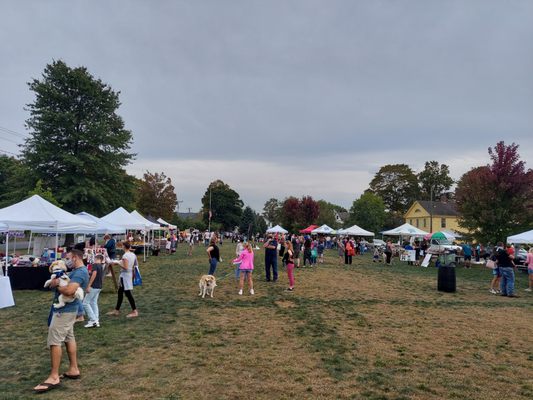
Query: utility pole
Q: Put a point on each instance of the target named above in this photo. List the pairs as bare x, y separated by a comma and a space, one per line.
178, 205
431, 210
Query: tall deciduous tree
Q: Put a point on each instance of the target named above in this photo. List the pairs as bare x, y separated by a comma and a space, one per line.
434, 176
327, 212
45, 193
271, 211
15, 181
248, 220
496, 200
397, 185
78, 145
368, 212
309, 211
226, 205
156, 196
290, 213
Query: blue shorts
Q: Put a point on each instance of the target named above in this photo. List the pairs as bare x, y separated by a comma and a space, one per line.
530, 271
246, 272
496, 272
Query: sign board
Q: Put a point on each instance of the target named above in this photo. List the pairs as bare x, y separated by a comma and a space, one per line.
408, 255
427, 259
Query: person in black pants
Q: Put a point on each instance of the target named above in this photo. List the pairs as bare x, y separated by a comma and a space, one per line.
271, 258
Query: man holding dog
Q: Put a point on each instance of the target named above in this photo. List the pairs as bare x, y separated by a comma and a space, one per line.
61, 329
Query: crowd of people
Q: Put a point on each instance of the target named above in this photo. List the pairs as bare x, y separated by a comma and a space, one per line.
291, 249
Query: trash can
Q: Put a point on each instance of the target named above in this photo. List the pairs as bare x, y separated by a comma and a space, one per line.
446, 278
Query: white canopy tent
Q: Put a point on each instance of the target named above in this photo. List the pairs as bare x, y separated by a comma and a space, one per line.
165, 223
324, 229
355, 230
149, 225
521, 238
120, 217
277, 229
102, 227
405, 230
35, 214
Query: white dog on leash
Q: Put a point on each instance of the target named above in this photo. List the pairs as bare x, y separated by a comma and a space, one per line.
59, 270
207, 285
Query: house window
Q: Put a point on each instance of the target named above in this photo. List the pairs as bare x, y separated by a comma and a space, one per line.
425, 223
411, 221
417, 222
443, 222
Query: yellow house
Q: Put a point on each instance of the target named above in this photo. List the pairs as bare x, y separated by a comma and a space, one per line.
444, 216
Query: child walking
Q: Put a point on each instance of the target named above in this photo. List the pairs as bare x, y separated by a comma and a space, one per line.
246, 267
90, 302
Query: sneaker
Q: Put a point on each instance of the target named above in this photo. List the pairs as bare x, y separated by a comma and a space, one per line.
528, 290
133, 314
90, 324
290, 289
252, 292
240, 292
97, 324
493, 291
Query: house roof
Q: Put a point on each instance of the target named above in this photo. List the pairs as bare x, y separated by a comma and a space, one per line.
440, 208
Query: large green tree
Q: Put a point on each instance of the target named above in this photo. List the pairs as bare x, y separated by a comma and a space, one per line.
16, 181
496, 200
368, 211
156, 196
434, 176
226, 206
272, 210
326, 213
397, 185
248, 220
78, 146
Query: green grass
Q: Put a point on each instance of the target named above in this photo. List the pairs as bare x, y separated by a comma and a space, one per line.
364, 331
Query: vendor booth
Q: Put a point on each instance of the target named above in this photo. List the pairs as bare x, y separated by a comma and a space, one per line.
309, 229
324, 230
277, 229
354, 230
521, 238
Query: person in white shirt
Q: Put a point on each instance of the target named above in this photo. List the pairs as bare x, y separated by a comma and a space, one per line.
129, 260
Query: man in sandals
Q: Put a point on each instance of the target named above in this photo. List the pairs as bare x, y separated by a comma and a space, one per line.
61, 329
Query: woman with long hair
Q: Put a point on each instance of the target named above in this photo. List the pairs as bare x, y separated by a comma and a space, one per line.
214, 254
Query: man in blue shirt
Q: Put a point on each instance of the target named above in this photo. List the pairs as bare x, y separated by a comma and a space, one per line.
271, 258
467, 253
61, 329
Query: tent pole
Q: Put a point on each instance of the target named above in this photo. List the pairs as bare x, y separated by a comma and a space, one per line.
57, 246
144, 247
29, 243
7, 250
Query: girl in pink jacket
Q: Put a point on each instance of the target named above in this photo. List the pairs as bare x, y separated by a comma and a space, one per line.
246, 267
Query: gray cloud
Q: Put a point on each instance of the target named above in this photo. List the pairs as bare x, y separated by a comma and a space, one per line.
284, 82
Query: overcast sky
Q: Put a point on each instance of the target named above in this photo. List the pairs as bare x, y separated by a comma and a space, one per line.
287, 97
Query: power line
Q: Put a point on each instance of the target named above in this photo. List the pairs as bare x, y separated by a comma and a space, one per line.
8, 152
8, 140
12, 132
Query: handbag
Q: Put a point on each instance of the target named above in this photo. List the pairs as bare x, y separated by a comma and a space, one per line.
137, 279
490, 264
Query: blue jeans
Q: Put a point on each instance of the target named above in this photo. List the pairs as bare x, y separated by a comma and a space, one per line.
212, 266
90, 304
507, 282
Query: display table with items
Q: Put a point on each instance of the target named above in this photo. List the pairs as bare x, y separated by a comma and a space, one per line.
30, 278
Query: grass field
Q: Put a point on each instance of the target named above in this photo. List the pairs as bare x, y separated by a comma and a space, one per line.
360, 332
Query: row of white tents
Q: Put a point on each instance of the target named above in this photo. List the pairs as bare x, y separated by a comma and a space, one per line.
37, 215
405, 230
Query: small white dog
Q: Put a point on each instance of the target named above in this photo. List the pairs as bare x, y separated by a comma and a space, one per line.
207, 285
59, 270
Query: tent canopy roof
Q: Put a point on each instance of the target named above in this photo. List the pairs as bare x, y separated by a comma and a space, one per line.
324, 229
521, 238
102, 226
121, 217
309, 229
277, 229
148, 224
405, 230
165, 223
355, 230
38, 215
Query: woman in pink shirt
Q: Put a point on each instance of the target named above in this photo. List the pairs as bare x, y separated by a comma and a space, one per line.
529, 263
246, 267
